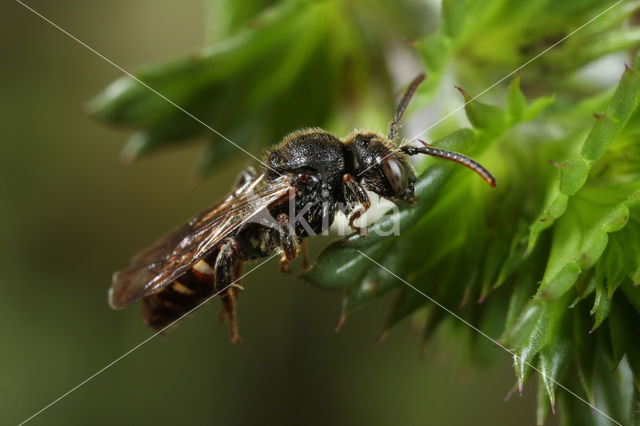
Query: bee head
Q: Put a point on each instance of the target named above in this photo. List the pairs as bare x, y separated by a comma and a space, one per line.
379, 167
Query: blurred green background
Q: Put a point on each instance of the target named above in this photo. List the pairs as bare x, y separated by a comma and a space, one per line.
72, 214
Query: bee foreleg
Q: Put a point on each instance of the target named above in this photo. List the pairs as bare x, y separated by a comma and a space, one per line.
360, 229
288, 242
223, 276
357, 201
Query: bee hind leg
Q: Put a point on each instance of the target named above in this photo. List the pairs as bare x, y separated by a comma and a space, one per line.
288, 243
237, 275
224, 284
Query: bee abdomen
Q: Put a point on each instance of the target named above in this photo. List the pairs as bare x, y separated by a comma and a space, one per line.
163, 308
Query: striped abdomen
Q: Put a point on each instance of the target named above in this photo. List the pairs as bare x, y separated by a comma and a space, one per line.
178, 298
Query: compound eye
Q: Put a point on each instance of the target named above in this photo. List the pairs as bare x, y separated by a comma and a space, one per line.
395, 174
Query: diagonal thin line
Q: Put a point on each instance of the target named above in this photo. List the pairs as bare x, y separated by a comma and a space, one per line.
495, 342
260, 161
144, 84
518, 69
139, 345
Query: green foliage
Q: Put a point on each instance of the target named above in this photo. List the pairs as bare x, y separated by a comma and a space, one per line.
548, 262
293, 65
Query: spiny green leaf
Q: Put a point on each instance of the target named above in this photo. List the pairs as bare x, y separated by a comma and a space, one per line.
375, 283
615, 263
493, 260
554, 209
537, 106
622, 258
215, 154
128, 102
516, 102
612, 394
164, 134
518, 334
433, 51
596, 142
248, 79
433, 318
623, 319
576, 413
482, 116
556, 357
585, 285
543, 408
545, 325
584, 49
584, 342
516, 256
574, 174
454, 13
633, 294
613, 17
602, 304
582, 234
338, 274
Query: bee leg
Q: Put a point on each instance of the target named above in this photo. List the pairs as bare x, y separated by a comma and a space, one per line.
361, 230
357, 201
237, 274
223, 283
288, 243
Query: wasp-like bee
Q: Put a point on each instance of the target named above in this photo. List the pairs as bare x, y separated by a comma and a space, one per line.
307, 176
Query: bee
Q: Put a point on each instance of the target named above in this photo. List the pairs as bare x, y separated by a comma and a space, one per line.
297, 194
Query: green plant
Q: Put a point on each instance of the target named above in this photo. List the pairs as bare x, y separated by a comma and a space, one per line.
549, 262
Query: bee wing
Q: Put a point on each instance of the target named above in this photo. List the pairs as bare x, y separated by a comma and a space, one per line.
173, 255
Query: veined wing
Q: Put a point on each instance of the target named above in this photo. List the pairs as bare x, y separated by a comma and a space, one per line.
173, 255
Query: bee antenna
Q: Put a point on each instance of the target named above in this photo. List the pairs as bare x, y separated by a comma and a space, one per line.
394, 126
453, 156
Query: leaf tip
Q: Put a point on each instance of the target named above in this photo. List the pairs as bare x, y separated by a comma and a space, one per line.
509, 394
529, 248
464, 94
343, 316
422, 353
380, 337
465, 299
556, 164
